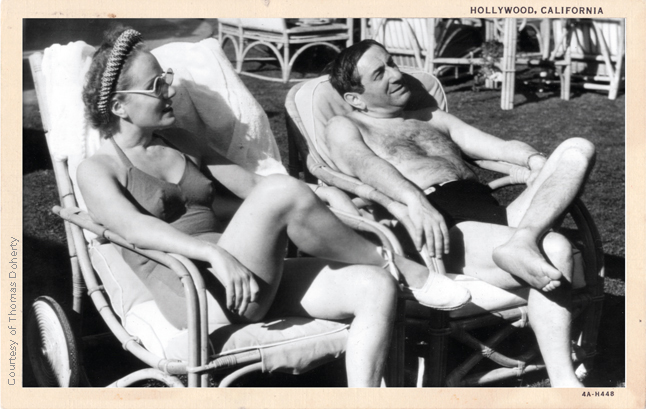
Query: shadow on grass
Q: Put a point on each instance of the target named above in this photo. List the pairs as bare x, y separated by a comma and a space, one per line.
615, 267
35, 155
609, 365
48, 272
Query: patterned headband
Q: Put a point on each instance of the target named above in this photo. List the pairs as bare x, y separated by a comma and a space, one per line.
124, 44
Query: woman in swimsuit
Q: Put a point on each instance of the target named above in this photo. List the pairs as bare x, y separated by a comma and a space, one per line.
159, 195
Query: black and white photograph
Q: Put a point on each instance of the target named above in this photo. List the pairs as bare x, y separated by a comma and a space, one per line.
325, 202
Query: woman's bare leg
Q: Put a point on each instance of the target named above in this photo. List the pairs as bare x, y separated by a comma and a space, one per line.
279, 207
256, 236
320, 289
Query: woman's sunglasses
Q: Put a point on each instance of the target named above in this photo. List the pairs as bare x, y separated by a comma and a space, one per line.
160, 85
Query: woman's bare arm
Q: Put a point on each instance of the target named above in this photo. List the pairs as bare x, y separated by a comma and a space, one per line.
107, 205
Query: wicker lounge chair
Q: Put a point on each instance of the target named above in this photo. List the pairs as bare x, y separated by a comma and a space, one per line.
281, 37
309, 106
290, 344
592, 50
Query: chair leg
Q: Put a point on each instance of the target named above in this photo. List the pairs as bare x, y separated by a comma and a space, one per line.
621, 42
436, 353
614, 89
592, 319
566, 82
509, 64
285, 63
294, 164
394, 374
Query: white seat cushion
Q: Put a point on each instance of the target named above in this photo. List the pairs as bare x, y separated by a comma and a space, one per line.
124, 288
293, 343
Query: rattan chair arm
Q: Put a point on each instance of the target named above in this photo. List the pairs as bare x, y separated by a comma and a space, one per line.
232, 377
348, 184
385, 235
77, 241
145, 374
200, 288
80, 218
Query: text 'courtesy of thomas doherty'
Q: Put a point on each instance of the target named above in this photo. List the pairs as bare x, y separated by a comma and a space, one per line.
12, 314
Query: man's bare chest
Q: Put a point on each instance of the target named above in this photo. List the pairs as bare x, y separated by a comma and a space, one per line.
409, 139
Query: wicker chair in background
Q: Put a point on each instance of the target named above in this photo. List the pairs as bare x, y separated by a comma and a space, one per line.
281, 37
592, 50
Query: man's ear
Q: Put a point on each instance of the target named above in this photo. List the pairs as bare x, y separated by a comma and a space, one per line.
354, 99
118, 109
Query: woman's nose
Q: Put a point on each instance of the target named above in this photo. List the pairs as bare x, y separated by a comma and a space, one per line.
170, 92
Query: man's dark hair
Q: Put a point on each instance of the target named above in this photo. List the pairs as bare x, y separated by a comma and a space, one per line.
344, 76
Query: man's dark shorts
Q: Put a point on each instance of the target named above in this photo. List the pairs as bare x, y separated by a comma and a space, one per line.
466, 200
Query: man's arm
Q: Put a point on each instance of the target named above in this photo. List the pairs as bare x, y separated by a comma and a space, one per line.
353, 157
480, 145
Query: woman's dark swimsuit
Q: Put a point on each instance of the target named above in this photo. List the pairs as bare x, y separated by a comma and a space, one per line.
185, 206
467, 200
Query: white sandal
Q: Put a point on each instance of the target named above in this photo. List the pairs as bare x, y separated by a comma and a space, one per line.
438, 292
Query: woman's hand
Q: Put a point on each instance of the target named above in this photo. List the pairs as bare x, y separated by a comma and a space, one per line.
240, 283
337, 199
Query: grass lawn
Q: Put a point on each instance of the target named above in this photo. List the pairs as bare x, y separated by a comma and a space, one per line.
539, 118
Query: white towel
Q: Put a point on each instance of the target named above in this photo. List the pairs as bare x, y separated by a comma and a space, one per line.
70, 136
64, 68
213, 103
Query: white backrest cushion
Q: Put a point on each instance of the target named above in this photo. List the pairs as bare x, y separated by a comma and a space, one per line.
124, 288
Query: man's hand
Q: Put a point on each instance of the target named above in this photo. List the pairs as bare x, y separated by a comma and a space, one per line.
430, 228
424, 224
535, 164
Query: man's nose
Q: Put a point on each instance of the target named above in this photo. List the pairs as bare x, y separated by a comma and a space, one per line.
395, 74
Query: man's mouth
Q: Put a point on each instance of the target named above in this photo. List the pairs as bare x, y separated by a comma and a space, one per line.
400, 88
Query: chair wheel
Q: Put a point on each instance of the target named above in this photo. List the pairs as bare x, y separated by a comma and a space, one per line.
52, 346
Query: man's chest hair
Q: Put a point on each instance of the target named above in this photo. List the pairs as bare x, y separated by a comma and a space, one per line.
409, 138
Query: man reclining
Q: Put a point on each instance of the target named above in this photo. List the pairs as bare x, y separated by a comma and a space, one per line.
415, 156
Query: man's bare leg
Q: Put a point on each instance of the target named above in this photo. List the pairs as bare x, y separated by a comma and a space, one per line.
538, 207
550, 315
472, 244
